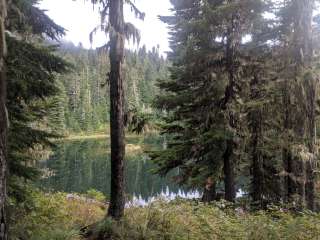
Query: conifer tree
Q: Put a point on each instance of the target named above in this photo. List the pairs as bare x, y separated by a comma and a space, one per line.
31, 72
118, 31
281, 103
303, 59
117, 42
261, 96
204, 94
29, 78
299, 101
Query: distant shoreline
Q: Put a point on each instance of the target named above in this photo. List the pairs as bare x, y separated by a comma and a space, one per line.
74, 137
86, 137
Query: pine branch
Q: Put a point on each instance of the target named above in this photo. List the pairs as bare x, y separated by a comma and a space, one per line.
135, 10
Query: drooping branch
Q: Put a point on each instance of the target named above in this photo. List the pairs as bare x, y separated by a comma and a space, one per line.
131, 32
135, 10
24, 13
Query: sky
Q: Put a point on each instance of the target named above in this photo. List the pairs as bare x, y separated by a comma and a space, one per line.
79, 19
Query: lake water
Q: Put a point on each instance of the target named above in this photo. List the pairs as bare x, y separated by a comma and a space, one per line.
79, 165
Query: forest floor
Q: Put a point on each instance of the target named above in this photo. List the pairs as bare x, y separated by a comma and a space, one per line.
60, 216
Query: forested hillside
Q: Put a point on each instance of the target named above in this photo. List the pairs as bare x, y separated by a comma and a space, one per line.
83, 101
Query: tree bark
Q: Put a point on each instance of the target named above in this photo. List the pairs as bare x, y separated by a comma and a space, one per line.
3, 125
209, 193
233, 41
256, 155
257, 169
229, 176
117, 198
289, 184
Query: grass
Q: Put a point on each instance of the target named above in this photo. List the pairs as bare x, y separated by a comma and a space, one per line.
55, 217
182, 220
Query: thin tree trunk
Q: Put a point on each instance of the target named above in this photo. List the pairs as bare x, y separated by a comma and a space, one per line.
289, 184
229, 176
233, 40
209, 195
209, 192
257, 158
257, 174
255, 126
3, 126
117, 198
311, 164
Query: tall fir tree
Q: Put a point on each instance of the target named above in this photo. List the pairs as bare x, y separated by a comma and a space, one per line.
204, 96
32, 66
116, 79
298, 86
118, 31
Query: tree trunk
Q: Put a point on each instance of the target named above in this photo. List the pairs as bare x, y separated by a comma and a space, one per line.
233, 41
229, 176
3, 125
117, 198
289, 184
258, 179
256, 135
311, 163
257, 160
209, 193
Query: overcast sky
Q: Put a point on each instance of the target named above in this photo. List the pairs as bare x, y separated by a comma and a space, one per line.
79, 18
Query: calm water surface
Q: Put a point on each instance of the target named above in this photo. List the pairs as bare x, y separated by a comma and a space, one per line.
77, 166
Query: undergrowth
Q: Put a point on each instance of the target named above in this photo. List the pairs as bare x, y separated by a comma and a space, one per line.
192, 220
55, 217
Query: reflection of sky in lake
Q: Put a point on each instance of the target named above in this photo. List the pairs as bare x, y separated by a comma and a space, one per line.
166, 195
77, 166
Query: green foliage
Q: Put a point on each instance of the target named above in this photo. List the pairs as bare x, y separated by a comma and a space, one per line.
203, 96
32, 67
97, 195
27, 18
52, 217
241, 98
195, 221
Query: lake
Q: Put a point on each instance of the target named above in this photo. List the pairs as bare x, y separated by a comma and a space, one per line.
80, 165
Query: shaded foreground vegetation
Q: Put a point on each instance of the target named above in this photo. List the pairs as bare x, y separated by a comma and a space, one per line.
57, 216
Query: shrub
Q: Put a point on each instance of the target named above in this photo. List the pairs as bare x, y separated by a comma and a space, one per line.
53, 216
95, 194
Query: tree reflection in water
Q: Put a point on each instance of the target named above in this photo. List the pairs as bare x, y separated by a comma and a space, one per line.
78, 166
